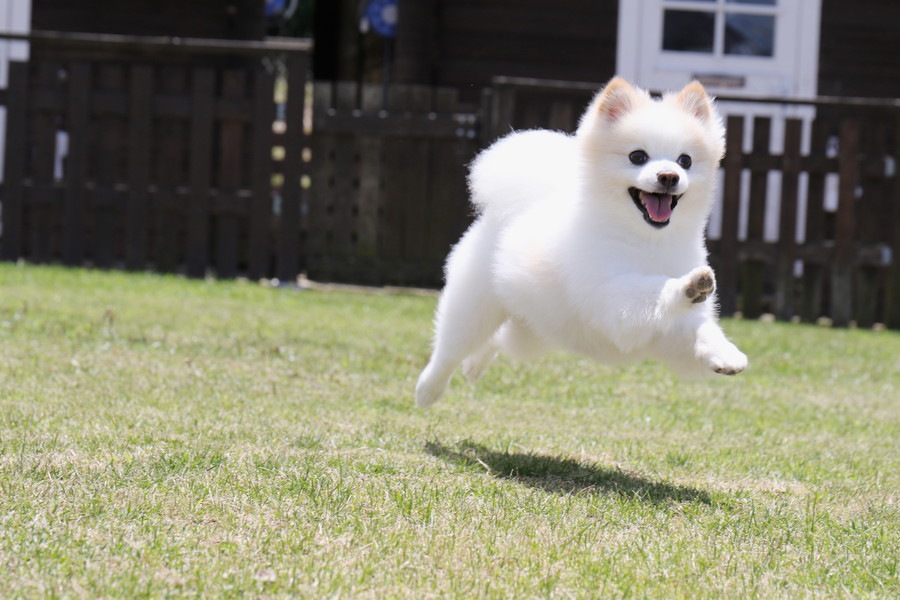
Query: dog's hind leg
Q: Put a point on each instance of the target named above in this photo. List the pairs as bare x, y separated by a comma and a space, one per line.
464, 327
475, 364
515, 339
468, 313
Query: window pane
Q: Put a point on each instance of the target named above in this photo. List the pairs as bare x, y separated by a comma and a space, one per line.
688, 31
758, 2
749, 35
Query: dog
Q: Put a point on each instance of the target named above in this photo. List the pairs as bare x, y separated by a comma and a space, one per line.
592, 242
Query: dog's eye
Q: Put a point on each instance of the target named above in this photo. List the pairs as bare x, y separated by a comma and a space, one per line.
684, 161
638, 157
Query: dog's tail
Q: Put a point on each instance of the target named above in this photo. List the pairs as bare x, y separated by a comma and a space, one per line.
520, 169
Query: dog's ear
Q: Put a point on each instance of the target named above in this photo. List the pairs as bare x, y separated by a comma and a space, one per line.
617, 98
693, 99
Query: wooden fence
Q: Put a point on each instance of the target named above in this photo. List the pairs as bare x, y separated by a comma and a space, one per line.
134, 155
848, 257
159, 158
155, 160
388, 191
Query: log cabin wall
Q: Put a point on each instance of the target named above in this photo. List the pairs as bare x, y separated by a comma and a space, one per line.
858, 51
464, 43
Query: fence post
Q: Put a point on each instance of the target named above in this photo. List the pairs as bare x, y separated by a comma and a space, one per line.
14, 166
892, 299
754, 266
203, 90
845, 225
140, 117
79, 81
288, 259
111, 131
229, 176
503, 109
258, 239
787, 233
42, 201
726, 277
811, 305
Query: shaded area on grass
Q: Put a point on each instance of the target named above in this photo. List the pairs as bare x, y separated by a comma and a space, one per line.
563, 475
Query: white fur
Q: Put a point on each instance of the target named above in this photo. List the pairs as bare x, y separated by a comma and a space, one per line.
561, 256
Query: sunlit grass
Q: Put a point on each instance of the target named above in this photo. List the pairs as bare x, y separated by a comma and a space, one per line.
166, 437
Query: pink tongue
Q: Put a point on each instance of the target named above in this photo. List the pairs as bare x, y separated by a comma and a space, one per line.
659, 207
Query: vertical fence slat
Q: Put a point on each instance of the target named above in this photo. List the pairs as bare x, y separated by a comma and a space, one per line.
754, 268
417, 204
77, 163
288, 259
502, 113
170, 166
201, 128
447, 189
14, 166
845, 225
109, 158
892, 294
726, 274
364, 215
873, 220
343, 187
787, 221
43, 194
258, 243
231, 144
322, 175
812, 303
406, 190
139, 123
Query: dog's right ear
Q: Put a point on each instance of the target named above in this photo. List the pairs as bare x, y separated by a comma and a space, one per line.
617, 98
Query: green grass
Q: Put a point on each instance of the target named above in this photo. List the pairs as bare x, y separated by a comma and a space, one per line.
164, 438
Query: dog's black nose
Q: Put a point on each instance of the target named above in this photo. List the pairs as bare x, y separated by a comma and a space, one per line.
667, 178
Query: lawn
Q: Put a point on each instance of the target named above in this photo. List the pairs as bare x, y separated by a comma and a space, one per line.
161, 437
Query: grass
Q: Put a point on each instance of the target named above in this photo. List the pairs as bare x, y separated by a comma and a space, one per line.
163, 438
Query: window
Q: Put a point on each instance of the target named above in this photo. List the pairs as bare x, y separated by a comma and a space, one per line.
720, 27
733, 47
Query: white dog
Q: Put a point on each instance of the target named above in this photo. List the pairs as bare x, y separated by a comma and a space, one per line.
593, 242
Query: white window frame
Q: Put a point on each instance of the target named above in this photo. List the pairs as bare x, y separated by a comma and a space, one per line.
791, 71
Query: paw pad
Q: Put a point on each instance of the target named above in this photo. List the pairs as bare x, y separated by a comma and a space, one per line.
701, 285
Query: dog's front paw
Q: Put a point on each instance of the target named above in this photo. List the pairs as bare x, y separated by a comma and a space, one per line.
728, 360
700, 284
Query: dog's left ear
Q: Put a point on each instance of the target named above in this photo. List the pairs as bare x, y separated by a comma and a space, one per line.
693, 99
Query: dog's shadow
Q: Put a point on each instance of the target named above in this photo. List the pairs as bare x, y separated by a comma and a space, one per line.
563, 475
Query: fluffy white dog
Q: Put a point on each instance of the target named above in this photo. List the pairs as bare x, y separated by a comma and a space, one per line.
593, 242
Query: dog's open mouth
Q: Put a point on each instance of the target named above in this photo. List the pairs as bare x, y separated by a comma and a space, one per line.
656, 207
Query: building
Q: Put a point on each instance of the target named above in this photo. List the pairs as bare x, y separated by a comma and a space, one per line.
794, 48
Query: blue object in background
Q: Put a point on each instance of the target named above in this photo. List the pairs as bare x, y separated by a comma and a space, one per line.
275, 8
382, 17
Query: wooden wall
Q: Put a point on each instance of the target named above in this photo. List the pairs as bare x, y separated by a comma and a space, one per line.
859, 53
464, 43
225, 19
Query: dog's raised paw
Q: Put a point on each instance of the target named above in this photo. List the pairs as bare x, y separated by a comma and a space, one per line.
701, 283
728, 361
